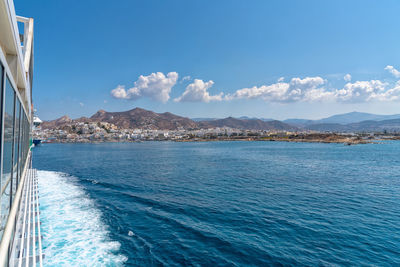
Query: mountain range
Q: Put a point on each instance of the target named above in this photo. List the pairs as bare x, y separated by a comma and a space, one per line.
146, 119
363, 126
351, 122
346, 118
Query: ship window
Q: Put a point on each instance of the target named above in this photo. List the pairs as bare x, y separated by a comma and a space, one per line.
21, 144
1, 90
16, 146
24, 144
8, 121
23, 153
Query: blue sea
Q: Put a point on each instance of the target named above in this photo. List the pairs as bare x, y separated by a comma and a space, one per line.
219, 204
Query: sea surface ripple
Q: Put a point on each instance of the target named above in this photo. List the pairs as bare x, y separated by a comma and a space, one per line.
221, 203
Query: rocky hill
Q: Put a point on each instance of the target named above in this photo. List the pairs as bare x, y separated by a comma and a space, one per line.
144, 119
56, 123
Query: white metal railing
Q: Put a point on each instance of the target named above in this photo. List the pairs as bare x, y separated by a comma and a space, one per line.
9, 230
27, 247
24, 218
38, 215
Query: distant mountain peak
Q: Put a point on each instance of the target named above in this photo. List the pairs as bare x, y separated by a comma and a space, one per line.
138, 109
64, 118
98, 113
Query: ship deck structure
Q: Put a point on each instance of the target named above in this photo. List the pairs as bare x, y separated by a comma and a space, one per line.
20, 233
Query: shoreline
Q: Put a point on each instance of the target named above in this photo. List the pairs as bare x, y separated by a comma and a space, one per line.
322, 141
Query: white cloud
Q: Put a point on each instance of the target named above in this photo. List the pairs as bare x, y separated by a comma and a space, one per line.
307, 89
393, 71
186, 78
361, 91
156, 86
197, 92
119, 92
391, 94
347, 77
312, 89
274, 91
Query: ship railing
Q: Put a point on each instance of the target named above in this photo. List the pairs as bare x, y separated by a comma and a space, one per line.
26, 248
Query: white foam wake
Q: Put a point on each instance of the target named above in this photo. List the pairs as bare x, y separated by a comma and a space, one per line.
73, 233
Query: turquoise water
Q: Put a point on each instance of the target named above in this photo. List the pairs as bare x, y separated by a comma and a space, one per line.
220, 203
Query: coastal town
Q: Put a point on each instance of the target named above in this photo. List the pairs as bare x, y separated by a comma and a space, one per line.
89, 132
139, 125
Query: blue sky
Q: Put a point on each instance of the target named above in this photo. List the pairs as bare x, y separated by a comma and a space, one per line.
215, 58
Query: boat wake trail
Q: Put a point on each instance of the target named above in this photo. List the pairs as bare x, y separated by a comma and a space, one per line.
73, 232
